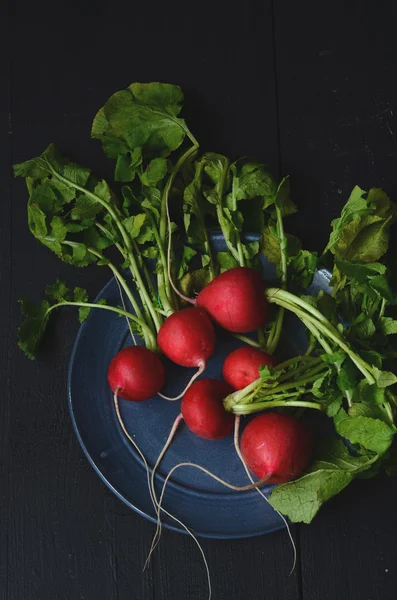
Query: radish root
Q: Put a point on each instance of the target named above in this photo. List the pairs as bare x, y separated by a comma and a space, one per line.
157, 534
153, 494
123, 427
237, 447
197, 374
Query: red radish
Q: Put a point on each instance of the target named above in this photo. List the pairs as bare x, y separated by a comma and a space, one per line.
187, 337
236, 300
203, 411
241, 366
136, 373
276, 446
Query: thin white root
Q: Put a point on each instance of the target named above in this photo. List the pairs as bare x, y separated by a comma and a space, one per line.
133, 442
178, 292
187, 531
123, 303
237, 447
237, 488
157, 535
153, 495
197, 374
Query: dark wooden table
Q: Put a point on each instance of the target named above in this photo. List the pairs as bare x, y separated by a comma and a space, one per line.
310, 90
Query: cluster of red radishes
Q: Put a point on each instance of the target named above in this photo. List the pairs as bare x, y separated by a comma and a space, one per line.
275, 446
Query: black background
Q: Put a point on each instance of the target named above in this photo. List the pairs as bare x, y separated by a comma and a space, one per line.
309, 88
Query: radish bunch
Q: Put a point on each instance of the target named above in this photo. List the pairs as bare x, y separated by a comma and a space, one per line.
235, 300
157, 158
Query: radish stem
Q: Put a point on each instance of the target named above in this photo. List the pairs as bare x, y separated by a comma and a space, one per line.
166, 219
127, 242
146, 330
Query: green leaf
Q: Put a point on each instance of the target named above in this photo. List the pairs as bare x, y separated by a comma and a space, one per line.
320, 386
363, 240
334, 406
283, 199
58, 291
80, 256
76, 173
226, 261
372, 394
336, 358
41, 166
58, 229
32, 329
302, 268
103, 191
333, 453
301, 500
373, 411
80, 295
134, 224
216, 167
51, 195
271, 246
187, 256
371, 433
253, 180
193, 282
250, 250
384, 378
151, 252
84, 208
388, 326
37, 221
358, 271
355, 208
365, 328
127, 165
145, 115
152, 201
372, 357
381, 285
155, 172
335, 468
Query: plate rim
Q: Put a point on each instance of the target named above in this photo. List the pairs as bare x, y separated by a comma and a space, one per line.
109, 485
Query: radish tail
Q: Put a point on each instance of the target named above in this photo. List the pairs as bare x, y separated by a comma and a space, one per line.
238, 488
197, 374
153, 496
178, 292
123, 427
157, 534
187, 530
237, 447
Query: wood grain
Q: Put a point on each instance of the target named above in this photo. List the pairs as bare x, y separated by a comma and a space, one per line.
5, 287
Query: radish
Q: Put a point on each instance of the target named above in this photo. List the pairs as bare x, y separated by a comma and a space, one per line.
241, 366
136, 373
203, 411
276, 446
188, 339
236, 300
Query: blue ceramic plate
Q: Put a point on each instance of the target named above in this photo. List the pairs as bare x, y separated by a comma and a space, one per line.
205, 506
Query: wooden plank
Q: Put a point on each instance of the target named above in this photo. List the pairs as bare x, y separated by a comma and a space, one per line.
5, 304
59, 543
337, 103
